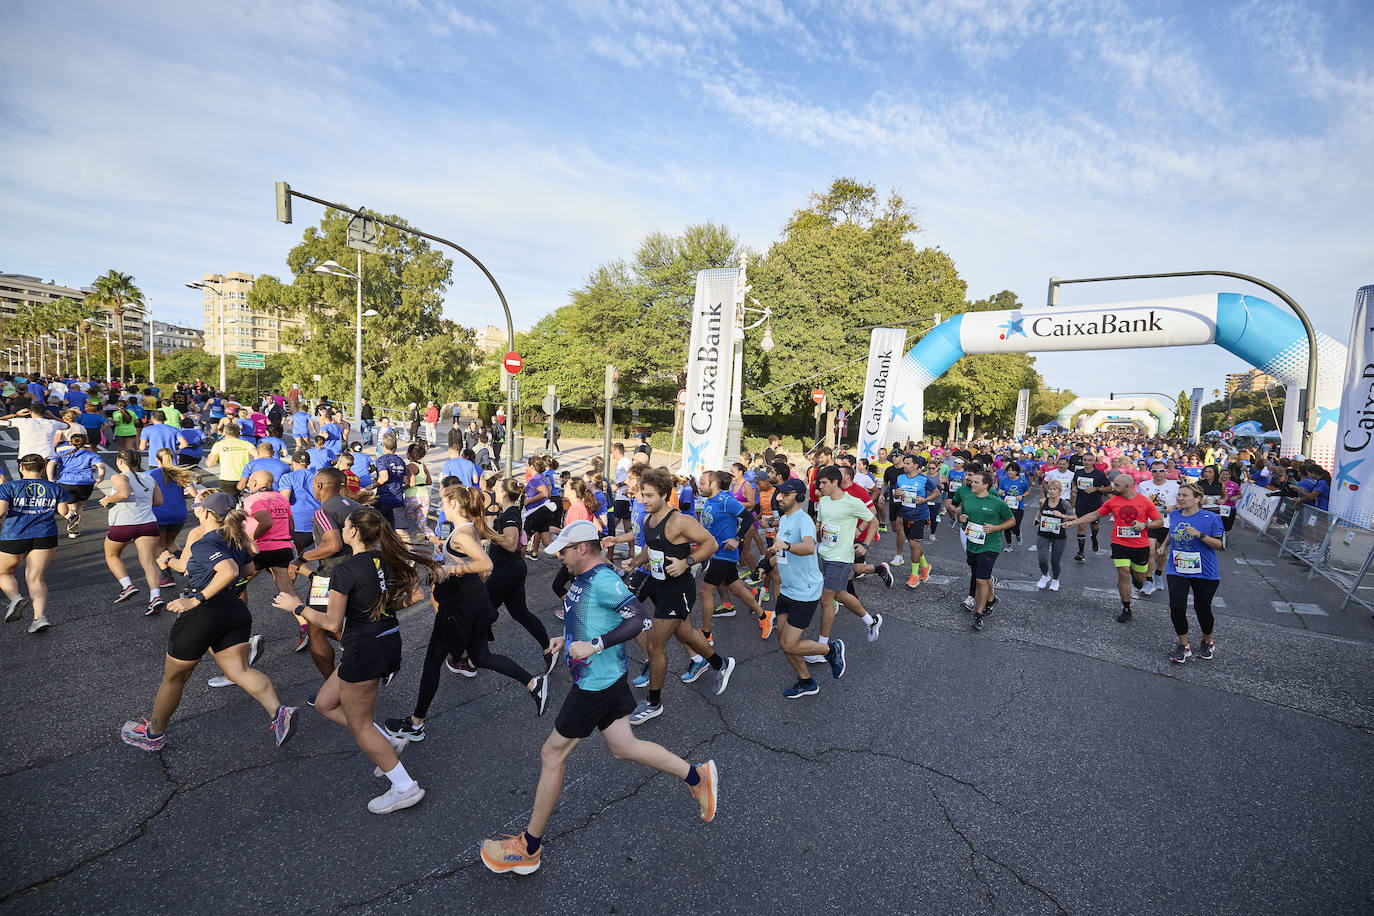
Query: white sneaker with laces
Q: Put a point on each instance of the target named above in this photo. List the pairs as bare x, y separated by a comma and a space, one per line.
395, 799
1149, 588
1044, 580
1054, 585
895, 561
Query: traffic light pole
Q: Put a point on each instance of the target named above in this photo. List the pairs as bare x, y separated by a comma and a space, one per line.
608, 472
284, 195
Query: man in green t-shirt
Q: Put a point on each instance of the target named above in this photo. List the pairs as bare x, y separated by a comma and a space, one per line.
838, 515
983, 518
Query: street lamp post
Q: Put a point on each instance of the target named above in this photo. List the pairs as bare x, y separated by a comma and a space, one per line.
106, 329
734, 428
1307, 429
219, 294
284, 195
333, 269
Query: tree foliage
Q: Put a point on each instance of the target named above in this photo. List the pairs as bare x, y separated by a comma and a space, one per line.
844, 264
116, 292
410, 352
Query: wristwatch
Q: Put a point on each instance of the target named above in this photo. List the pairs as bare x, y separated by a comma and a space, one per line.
598, 645
198, 595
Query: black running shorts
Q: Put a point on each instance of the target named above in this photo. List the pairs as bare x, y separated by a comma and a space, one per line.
673, 597
371, 658
799, 613
981, 563
214, 626
584, 711
721, 572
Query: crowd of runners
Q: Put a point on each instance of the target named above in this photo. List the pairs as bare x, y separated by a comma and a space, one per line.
352, 527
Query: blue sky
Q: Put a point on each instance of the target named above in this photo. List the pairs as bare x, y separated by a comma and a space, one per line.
1075, 138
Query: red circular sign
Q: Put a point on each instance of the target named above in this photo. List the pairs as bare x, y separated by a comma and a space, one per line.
682, 397
818, 395
513, 362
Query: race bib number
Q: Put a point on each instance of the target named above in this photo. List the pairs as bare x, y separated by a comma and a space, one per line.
782, 557
1126, 531
1051, 524
1085, 483
319, 591
1225, 511
976, 534
1013, 501
1187, 562
656, 564
909, 499
830, 536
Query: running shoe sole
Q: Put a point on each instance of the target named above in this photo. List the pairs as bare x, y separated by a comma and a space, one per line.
17, 608
503, 867
723, 676
125, 595
650, 712
710, 776
407, 801
288, 727
692, 674
838, 665
402, 734
796, 693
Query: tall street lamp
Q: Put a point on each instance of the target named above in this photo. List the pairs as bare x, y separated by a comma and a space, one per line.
284, 195
1310, 413
78, 349
734, 428
333, 269
219, 294
106, 329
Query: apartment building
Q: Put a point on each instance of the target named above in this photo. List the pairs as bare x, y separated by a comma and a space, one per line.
1248, 382
232, 326
168, 338
19, 292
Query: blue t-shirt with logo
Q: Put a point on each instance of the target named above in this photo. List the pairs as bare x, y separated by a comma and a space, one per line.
595, 604
913, 493
390, 494
637, 515
1194, 558
720, 516
32, 508
800, 576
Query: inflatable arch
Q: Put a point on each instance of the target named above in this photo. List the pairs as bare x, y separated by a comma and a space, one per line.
1264, 335
1142, 420
1164, 416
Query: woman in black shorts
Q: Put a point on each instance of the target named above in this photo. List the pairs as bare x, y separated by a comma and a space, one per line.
538, 512
464, 614
210, 617
366, 591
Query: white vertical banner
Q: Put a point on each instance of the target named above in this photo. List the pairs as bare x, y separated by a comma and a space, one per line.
1352, 482
1195, 415
1022, 413
884, 352
709, 367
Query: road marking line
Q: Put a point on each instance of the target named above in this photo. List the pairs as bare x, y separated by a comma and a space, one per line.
1245, 561
1303, 608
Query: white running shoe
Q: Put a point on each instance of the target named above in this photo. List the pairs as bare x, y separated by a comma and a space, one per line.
814, 659
1044, 580
969, 602
1149, 588
1054, 585
220, 680
394, 799
895, 561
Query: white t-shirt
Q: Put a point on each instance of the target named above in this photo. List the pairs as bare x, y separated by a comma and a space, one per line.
864, 481
58, 391
35, 434
622, 470
1065, 479
138, 508
1163, 495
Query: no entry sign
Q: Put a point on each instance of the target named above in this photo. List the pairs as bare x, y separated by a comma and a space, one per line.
513, 363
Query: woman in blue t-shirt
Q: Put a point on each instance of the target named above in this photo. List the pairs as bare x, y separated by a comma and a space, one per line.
29, 536
78, 470
1195, 536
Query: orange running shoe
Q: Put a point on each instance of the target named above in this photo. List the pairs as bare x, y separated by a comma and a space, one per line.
925, 572
709, 637
766, 625
912, 581
510, 853
705, 792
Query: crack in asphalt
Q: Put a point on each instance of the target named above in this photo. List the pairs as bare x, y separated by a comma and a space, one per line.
974, 853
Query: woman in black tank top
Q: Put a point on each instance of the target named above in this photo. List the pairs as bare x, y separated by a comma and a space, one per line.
506, 584
463, 613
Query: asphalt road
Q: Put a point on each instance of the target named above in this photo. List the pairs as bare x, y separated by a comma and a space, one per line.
1055, 762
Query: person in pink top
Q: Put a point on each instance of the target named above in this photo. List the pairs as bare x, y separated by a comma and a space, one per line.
269, 524
259, 422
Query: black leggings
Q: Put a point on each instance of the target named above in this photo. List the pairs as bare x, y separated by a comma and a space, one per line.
460, 629
1049, 551
1017, 514
508, 587
1203, 590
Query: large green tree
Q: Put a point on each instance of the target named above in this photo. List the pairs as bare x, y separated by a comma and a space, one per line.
635, 315
410, 351
845, 263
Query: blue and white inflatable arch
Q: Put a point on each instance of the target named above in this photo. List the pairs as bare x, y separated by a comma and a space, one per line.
1269, 338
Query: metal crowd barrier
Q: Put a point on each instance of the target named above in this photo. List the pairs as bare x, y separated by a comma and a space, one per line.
1332, 548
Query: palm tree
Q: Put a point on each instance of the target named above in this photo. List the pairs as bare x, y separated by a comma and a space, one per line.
116, 291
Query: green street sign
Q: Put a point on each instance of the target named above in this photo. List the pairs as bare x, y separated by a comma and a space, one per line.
250, 361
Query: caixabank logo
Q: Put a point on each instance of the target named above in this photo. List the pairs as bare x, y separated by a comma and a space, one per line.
1104, 323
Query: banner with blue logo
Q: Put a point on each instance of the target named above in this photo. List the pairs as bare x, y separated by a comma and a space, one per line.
1352, 477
